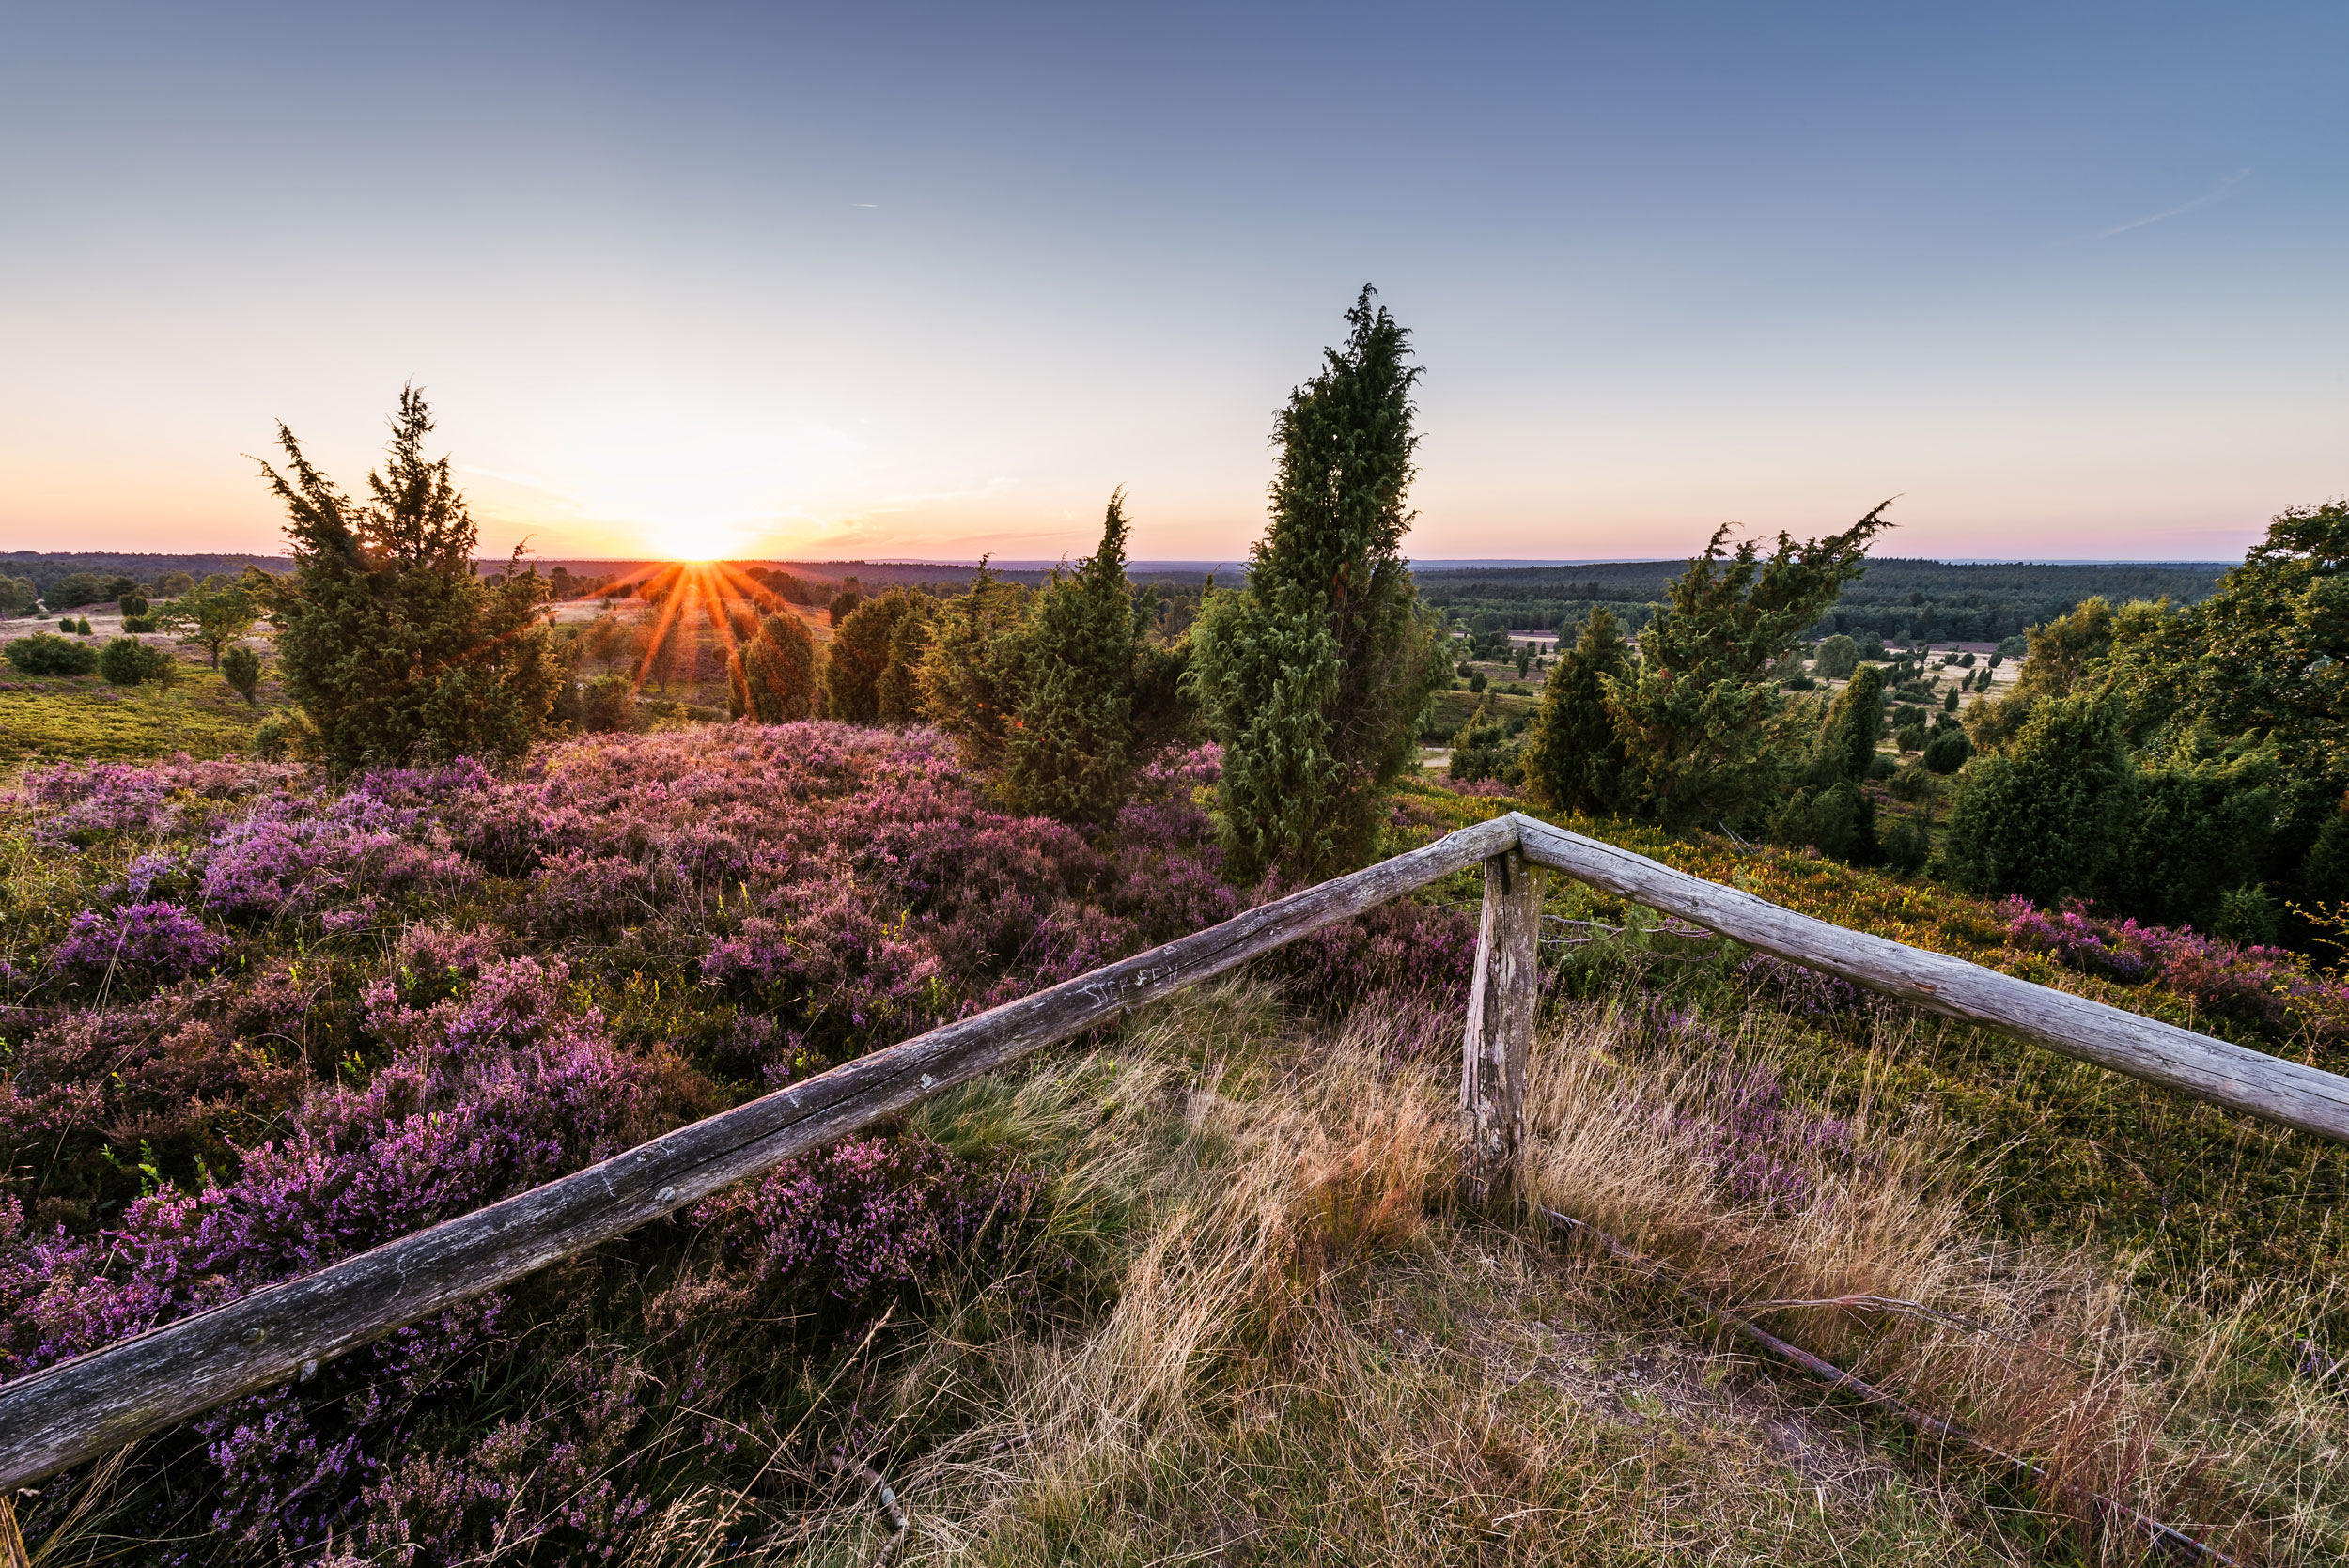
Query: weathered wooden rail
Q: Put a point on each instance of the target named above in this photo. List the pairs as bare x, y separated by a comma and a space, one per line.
79, 1409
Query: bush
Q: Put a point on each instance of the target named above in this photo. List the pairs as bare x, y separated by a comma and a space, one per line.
1905, 846
80, 627
608, 704
128, 662
1839, 821
1910, 738
1837, 658
1947, 752
1912, 784
64, 624
1477, 681
45, 654
2047, 820
133, 606
869, 667
241, 667
273, 741
777, 676
1881, 767
397, 649
2246, 914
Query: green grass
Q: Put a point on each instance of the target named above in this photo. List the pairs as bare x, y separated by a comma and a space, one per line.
60, 718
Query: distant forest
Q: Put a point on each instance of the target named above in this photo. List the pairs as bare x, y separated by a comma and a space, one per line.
1904, 599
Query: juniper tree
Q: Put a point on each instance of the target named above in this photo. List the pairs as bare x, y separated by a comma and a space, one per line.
1572, 759
858, 664
974, 665
1069, 751
392, 646
1703, 731
2046, 819
1316, 674
241, 667
775, 672
1848, 741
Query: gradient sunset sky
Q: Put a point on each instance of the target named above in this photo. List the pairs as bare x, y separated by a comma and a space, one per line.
887, 281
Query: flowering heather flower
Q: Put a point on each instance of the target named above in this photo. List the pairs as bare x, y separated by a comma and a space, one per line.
2267, 989
155, 941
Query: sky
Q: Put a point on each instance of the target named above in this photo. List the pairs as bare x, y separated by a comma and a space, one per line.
902, 282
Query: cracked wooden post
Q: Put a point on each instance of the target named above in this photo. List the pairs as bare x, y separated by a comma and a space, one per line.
1501, 1002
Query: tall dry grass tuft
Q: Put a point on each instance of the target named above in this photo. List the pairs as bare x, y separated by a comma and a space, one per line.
1852, 1238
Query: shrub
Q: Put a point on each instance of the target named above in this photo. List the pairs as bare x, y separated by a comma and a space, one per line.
241, 667
1315, 676
1848, 741
1910, 738
1572, 759
128, 662
2047, 820
1704, 732
776, 674
869, 659
80, 627
1839, 820
1477, 681
1947, 752
1905, 846
608, 704
45, 654
157, 941
132, 606
1070, 752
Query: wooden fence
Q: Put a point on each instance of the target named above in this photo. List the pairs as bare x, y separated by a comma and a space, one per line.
79, 1409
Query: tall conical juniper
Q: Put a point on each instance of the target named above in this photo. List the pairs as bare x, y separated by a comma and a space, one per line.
1316, 674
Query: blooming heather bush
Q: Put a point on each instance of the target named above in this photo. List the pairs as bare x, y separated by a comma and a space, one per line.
845, 1229
447, 986
155, 941
2267, 989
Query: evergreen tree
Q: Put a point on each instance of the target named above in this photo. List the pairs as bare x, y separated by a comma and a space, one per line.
2046, 819
1069, 753
775, 672
241, 667
1847, 742
897, 691
858, 664
972, 669
1316, 674
1703, 731
392, 645
1572, 759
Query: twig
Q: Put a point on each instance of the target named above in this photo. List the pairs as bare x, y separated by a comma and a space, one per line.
2163, 1535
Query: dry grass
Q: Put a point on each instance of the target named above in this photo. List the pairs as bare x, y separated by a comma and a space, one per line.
1311, 1357
1287, 1344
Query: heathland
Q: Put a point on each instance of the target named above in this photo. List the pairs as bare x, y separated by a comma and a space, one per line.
345, 899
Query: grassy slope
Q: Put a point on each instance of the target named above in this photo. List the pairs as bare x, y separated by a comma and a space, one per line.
52, 718
1299, 1351
2067, 1150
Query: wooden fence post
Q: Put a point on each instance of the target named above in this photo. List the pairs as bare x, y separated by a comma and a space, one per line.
1501, 1002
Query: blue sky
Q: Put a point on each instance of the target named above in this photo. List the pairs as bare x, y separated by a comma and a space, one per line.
900, 281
